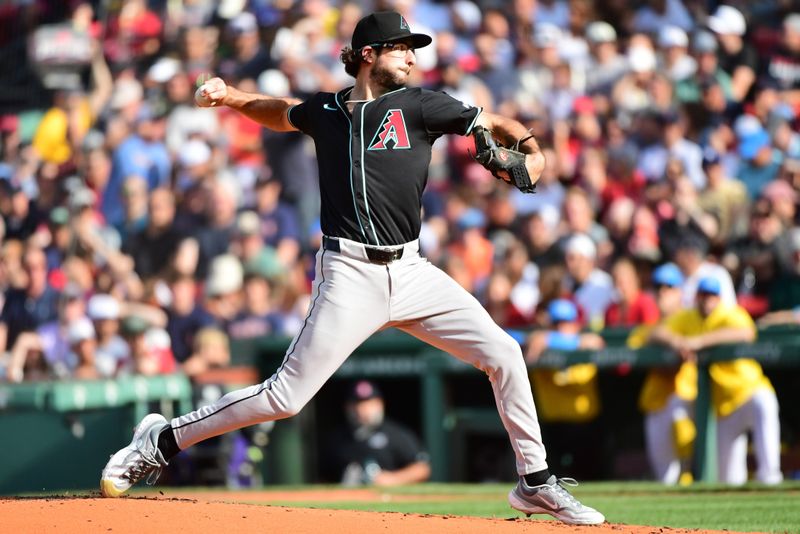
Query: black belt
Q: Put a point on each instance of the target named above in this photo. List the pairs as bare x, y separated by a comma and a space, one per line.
381, 256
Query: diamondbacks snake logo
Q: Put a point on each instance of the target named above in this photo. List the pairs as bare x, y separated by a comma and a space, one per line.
392, 132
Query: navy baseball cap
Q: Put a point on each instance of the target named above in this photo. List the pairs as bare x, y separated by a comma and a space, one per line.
709, 285
562, 310
364, 390
386, 27
668, 275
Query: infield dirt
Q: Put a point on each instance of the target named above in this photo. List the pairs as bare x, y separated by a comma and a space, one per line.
223, 512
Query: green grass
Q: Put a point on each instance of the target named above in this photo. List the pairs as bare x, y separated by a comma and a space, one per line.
752, 508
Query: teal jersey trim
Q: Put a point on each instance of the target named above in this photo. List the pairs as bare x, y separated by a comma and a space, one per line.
472, 124
350, 153
364, 175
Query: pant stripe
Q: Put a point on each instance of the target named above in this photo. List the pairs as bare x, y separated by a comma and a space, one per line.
268, 384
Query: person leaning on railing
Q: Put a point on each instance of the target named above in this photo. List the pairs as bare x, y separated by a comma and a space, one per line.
743, 398
668, 393
568, 400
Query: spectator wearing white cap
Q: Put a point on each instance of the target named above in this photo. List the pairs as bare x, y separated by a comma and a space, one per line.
606, 64
83, 345
580, 218
676, 61
592, 288
631, 93
112, 354
737, 57
185, 120
536, 75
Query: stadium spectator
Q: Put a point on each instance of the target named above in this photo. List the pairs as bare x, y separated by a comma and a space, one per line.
223, 289
278, 224
472, 247
186, 316
675, 59
761, 161
754, 259
30, 306
111, 354
725, 198
134, 207
655, 14
82, 343
155, 245
632, 306
592, 287
783, 64
704, 48
568, 400
143, 153
45, 351
691, 257
150, 347
371, 448
737, 57
743, 398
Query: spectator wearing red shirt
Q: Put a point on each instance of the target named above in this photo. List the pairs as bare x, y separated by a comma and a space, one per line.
633, 306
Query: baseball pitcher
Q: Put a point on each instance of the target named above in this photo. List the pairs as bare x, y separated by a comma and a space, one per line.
373, 142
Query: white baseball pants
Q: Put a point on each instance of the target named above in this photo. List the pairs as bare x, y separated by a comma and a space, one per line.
352, 299
758, 415
659, 438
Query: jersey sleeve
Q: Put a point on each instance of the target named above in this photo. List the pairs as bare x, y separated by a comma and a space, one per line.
301, 115
443, 114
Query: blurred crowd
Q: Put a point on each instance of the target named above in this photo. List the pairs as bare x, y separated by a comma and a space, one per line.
141, 234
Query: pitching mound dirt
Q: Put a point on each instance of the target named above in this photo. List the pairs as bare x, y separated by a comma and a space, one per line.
141, 515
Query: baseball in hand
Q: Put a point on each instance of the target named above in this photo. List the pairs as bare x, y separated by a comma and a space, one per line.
210, 91
201, 97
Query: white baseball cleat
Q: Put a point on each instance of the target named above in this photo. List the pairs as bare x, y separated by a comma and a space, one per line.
142, 457
552, 498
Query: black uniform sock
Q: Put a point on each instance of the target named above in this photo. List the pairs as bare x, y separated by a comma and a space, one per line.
167, 444
538, 478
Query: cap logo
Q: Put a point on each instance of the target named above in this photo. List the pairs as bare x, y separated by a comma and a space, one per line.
403, 23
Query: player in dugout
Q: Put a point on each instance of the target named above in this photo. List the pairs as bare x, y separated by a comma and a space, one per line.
743, 398
373, 144
372, 449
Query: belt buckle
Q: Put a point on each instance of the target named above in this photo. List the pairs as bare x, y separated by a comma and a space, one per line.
382, 256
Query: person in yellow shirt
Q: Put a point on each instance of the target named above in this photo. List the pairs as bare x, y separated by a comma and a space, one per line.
668, 393
567, 399
743, 398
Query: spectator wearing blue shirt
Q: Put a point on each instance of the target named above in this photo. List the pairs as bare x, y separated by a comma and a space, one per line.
185, 317
26, 309
761, 162
279, 226
143, 154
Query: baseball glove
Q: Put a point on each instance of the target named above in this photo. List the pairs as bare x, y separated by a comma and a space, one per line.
495, 158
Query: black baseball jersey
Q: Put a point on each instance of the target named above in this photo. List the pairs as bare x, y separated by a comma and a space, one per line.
373, 163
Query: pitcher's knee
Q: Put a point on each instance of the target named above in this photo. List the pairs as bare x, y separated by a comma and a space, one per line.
289, 407
505, 353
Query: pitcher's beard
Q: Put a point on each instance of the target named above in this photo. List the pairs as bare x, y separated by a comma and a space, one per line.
388, 80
